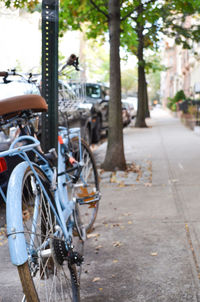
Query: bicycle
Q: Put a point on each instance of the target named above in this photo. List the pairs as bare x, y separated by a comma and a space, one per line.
44, 227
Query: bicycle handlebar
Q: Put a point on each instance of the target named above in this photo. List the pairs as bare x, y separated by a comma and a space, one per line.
7, 73
71, 61
12, 72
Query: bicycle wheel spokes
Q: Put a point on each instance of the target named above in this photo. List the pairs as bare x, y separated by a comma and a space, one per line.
54, 276
86, 190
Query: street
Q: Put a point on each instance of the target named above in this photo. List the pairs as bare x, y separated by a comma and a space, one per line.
146, 243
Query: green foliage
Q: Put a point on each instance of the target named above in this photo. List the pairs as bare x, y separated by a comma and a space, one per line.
153, 63
179, 96
175, 22
73, 13
30, 4
142, 23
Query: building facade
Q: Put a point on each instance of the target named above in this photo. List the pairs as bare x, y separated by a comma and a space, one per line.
182, 70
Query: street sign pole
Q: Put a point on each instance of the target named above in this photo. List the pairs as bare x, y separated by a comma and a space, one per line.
50, 73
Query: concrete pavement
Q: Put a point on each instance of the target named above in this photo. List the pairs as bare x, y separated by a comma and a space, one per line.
146, 243
156, 225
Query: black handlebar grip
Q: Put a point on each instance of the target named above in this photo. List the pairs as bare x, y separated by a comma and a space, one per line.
71, 59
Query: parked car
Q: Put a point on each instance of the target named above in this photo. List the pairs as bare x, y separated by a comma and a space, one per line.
126, 113
133, 101
98, 96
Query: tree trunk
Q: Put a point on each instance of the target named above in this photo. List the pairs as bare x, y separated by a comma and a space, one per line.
146, 100
115, 159
141, 112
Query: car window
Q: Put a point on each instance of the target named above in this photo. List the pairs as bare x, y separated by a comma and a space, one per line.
93, 91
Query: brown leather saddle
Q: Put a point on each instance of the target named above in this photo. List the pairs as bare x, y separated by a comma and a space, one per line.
16, 104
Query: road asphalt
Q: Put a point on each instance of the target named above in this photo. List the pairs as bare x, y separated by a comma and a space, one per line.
145, 246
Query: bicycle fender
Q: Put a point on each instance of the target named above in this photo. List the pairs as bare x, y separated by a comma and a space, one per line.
15, 230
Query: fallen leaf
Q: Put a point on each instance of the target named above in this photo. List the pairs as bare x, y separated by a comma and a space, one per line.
121, 184
116, 225
113, 178
117, 243
174, 180
96, 279
148, 184
115, 261
98, 247
95, 235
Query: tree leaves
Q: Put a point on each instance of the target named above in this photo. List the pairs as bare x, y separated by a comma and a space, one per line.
30, 4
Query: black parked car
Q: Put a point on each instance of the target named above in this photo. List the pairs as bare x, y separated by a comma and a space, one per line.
98, 96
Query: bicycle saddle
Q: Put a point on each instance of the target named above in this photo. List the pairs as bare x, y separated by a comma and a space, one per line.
23, 102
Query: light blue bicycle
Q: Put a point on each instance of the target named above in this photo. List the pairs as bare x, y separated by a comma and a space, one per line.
49, 210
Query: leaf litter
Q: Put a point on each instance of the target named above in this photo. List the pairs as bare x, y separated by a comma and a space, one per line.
136, 173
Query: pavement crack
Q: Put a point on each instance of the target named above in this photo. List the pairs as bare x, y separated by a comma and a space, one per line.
192, 249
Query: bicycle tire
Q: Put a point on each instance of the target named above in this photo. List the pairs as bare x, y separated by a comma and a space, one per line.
89, 176
49, 278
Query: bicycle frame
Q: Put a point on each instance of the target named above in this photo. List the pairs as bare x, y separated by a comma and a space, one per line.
64, 207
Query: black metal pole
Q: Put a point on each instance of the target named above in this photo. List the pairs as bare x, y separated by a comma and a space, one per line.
50, 73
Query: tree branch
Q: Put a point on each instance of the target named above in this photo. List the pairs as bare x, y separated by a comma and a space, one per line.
128, 15
99, 10
134, 19
150, 1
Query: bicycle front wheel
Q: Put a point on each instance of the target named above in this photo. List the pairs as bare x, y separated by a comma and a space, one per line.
49, 274
86, 190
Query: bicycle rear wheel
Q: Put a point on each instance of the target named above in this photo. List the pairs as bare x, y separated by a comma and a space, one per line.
49, 274
87, 187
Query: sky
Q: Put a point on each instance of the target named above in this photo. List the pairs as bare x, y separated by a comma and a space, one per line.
20, 40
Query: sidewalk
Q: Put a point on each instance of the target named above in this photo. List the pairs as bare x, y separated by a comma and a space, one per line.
146, 243
148, 234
